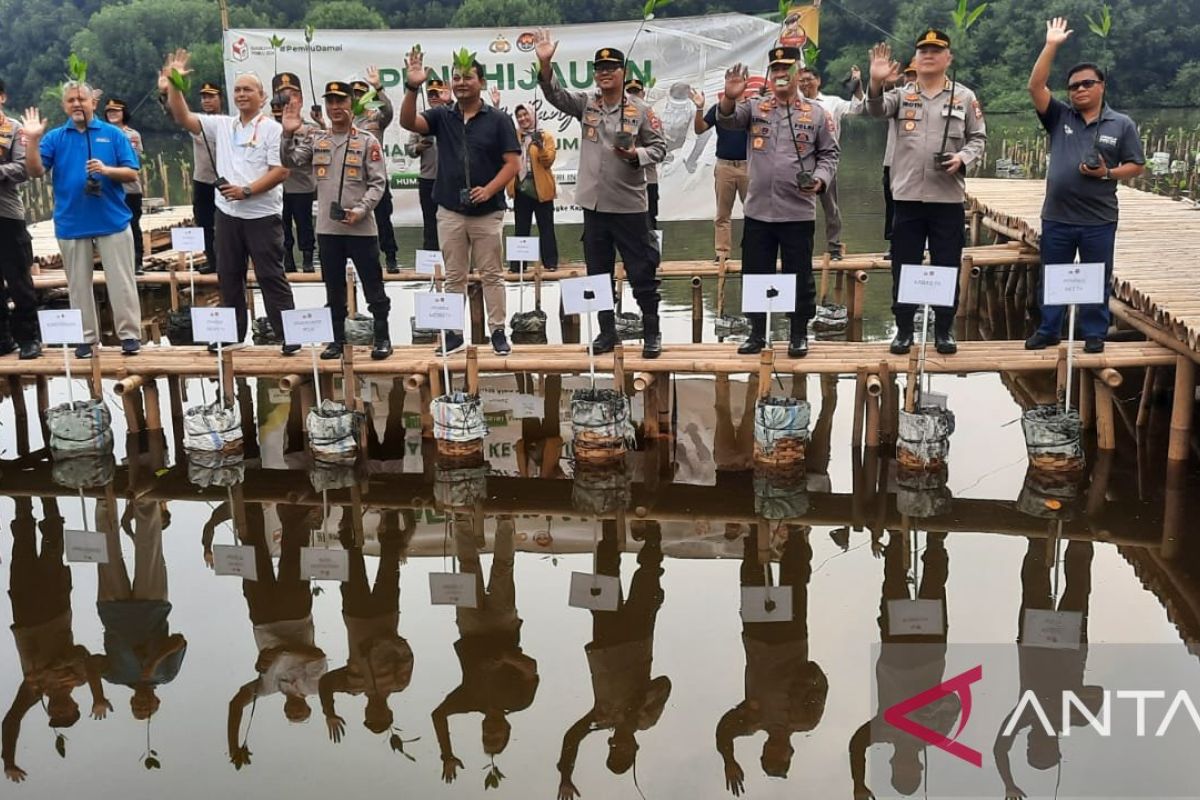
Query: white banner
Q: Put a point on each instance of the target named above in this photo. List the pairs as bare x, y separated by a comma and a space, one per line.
675, 53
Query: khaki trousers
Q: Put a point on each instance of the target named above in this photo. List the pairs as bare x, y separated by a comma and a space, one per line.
731, 180
466, 239
116, 253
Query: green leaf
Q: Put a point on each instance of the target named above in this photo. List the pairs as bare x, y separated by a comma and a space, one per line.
181, 82
811, 54
648, 9
785, 7
361, 105
464, 60
60, 745
309, 31
975, 15
276, 41
152, 763
77, 68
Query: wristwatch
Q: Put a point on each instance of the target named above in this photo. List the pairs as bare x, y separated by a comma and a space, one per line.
1108, 174
246, 192
409, 87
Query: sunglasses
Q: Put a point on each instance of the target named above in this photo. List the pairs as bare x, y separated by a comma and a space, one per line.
1087, 83
604, 68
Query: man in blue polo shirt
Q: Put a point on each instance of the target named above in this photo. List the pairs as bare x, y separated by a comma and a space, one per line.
90, 161
1091, 148
731, 179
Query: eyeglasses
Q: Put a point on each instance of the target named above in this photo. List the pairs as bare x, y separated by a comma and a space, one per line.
599, 68
1086, 83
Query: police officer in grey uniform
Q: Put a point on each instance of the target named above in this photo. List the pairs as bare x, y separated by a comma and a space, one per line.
425, 147
347, 166
793, 156
621, 137
204, 178
928, 179
16, 247
375, 122
299, 189
635, 88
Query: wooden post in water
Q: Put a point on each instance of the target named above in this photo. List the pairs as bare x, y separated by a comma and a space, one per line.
43, 403
475, 299
874, 390
1143, 415
151, 402
473, 370
697, 309
721, 271
19, 411
1106, 432
1087, 407
1179, 443
858, 294
860, 408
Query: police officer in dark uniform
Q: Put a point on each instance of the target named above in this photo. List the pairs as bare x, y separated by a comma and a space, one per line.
621, 138
928, 177
299, 190
375, 122
793, 156
425, 148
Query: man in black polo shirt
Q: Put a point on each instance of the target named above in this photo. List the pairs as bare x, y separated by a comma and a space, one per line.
469, 189
1091, 148
731, 179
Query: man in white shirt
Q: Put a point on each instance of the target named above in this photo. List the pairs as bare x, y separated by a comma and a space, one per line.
810, 85
250, 194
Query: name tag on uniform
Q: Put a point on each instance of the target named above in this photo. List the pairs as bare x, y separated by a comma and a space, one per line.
589, 133
958, 112
353, 158
591, 118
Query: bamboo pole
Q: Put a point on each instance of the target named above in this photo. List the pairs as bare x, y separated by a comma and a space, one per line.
414, 382
858, 294
1106, 432
722, 269
19, 410
153, 409
872, 403
290, 382
860, 395
1179, 441
1086, 406
643, 381
1111, 377
473, 370
697, 309
619, 368
1143, 415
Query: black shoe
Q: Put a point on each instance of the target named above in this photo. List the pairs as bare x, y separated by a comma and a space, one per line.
30, 350
308, 261
290, 349
500, 342
835, 254
393, 267
754, 344
454, 342
945, 343
130, 347
607, 341
332, 350
383, 341
798, 346
902, 342
1093, 344
83, 351
1040, 341
651, 336
716, 259
7, 346
514, 267
209, 269
212, 348
139, 270
289, 261
550, 267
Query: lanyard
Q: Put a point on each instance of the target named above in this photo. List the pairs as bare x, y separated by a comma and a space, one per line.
345, 155
253, 140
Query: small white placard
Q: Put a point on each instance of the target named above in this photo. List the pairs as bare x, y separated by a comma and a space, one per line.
1058, 630
1074, 284
774, 294
527, 405
214, 324
238, 560
934, 400
187, 240
440, 311
594, 592
659, 234
61, 326
763, 604
452, 589
307, 326
428, 260
587, 294
922, 284
915, 618
86, 547
324, 564
277, 396
523, 248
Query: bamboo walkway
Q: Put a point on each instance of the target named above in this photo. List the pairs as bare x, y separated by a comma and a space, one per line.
1157, 263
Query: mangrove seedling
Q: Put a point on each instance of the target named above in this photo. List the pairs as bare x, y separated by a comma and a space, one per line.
963, 18
276, 43
309, 33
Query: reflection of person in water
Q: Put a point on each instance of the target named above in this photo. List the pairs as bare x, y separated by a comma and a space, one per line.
903, 669
380, 661
733, 447
52, 665
139, 649
540, 447
289, 662
497, 677
1048, 672
620, 657
785, 691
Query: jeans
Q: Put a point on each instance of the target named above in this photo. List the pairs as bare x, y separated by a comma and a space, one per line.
1094, 244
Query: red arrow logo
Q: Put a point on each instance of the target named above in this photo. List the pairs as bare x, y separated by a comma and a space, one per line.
960, 685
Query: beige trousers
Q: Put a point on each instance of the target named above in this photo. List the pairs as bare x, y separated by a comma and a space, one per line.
731, 180
116, 253
466, 239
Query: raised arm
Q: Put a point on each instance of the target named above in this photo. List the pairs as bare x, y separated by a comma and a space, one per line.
884, 71
859, 743
33, 126
453, 704
10, 729
295, 148
176, 102
1039, 79
731, 726
387, 112
570, 103
414, 79
1000, 750
735, 87
699, 123
239, 755
570, 751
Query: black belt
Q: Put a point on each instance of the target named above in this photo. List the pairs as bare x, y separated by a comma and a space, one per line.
737, 162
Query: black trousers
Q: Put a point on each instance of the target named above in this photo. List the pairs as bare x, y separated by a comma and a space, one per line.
134, 202
429, 238
889, 204
261, 241
652, 200
364, 252
526, 209
939, 224
204, 209
792, 244
383, 221
298, 210
16, 282
605, 233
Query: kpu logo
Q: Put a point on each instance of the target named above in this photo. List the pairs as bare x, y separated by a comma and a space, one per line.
960, 685
239, 49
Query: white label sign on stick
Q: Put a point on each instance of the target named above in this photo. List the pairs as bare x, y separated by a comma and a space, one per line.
1073, 284
587, 294
763, 604
237, 560
523, 248
934, 400
61, 326
452, 589
594, 592
187, 240
526, 406
922, 284
323, 564
427, 261
86, 547
1057, 630
214, 325
915, 618
440, 311
775, 294
307, 326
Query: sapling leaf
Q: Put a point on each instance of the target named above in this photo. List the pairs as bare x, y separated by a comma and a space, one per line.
811, 54
975, 15
77, 68
181, 82
276, 41
464, 60
309, 32
60, 745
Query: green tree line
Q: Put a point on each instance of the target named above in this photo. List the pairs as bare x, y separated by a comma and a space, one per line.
1152, 54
